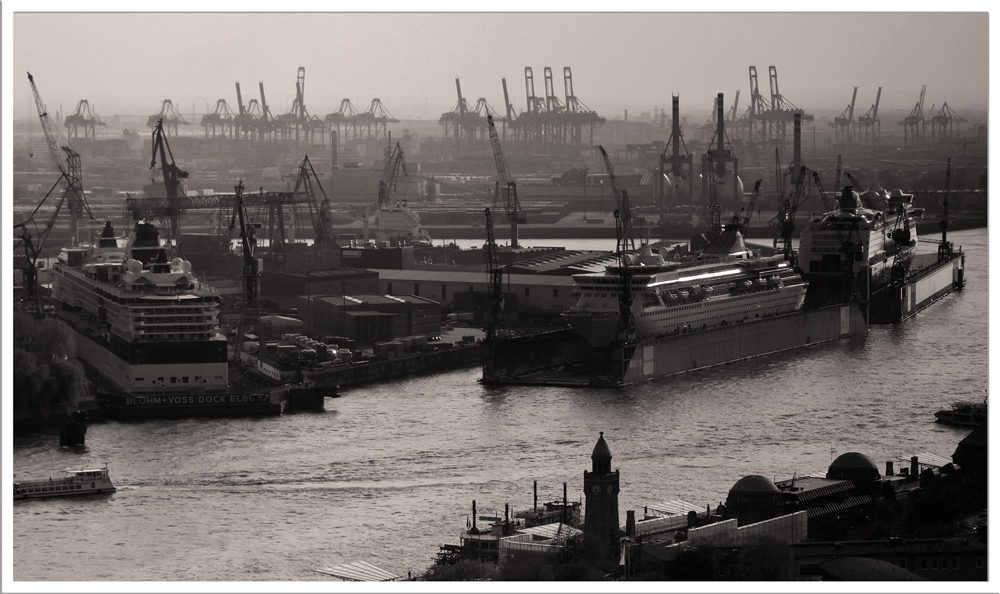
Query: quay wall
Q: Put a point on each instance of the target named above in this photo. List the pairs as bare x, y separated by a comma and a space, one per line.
364, 373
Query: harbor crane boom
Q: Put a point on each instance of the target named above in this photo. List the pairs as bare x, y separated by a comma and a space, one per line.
621, 201
251, 268
319, 210
626, 322
507, 187
172, 174
67, 164
390, 175
745, 223
495, 318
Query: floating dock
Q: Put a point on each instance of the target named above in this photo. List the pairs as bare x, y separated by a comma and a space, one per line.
564, 359
931, 278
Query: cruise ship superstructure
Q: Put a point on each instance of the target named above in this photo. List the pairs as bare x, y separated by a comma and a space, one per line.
879, 239
670, 297
144, 321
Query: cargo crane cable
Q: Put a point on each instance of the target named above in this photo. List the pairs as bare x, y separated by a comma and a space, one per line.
621, 201
626, 322
172, 174
508, 188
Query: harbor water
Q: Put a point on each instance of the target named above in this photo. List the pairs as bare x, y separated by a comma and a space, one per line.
388, 472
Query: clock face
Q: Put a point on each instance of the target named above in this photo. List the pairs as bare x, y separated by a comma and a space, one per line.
611, 489
596, 489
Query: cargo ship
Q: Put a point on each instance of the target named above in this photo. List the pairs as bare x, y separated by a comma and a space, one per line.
724, 285
148, 329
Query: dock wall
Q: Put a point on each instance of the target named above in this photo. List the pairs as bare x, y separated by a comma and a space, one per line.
684, 352
524, 354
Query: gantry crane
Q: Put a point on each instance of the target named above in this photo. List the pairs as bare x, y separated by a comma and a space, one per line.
251, 268
915, 120
843, 124
621, 202
172, 174
506, 188
869, 125
67, 162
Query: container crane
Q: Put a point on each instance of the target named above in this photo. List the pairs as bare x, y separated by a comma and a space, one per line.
507, 187
172, 174
621, 201
66, 162
251, 268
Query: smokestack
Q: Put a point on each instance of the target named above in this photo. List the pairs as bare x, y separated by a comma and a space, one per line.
676, 132
888, 468
914, 467
720, 129
630, 523
565, 502
797, 154
473, 513
536, 496
506, 513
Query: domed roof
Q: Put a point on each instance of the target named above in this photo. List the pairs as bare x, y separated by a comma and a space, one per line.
601, 450
754, 483
853, 466
853, 460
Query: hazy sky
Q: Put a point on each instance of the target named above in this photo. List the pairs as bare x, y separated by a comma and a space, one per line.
129, 63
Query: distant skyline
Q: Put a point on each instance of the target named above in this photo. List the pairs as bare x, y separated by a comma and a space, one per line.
128, 63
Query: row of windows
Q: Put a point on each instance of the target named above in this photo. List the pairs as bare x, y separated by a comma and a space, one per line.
444, 290
173, 380
53, 489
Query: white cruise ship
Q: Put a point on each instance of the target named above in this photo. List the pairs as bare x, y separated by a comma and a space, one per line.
879, 238
143, 320
726, 285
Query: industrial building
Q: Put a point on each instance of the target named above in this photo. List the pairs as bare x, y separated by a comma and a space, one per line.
540, 292
282, 289
370, 318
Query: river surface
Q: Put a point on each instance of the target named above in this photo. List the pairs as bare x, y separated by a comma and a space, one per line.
388, 472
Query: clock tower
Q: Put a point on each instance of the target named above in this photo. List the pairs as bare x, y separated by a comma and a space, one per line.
600, 487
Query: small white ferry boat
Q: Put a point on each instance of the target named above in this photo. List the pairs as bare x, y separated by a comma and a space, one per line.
76, 482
